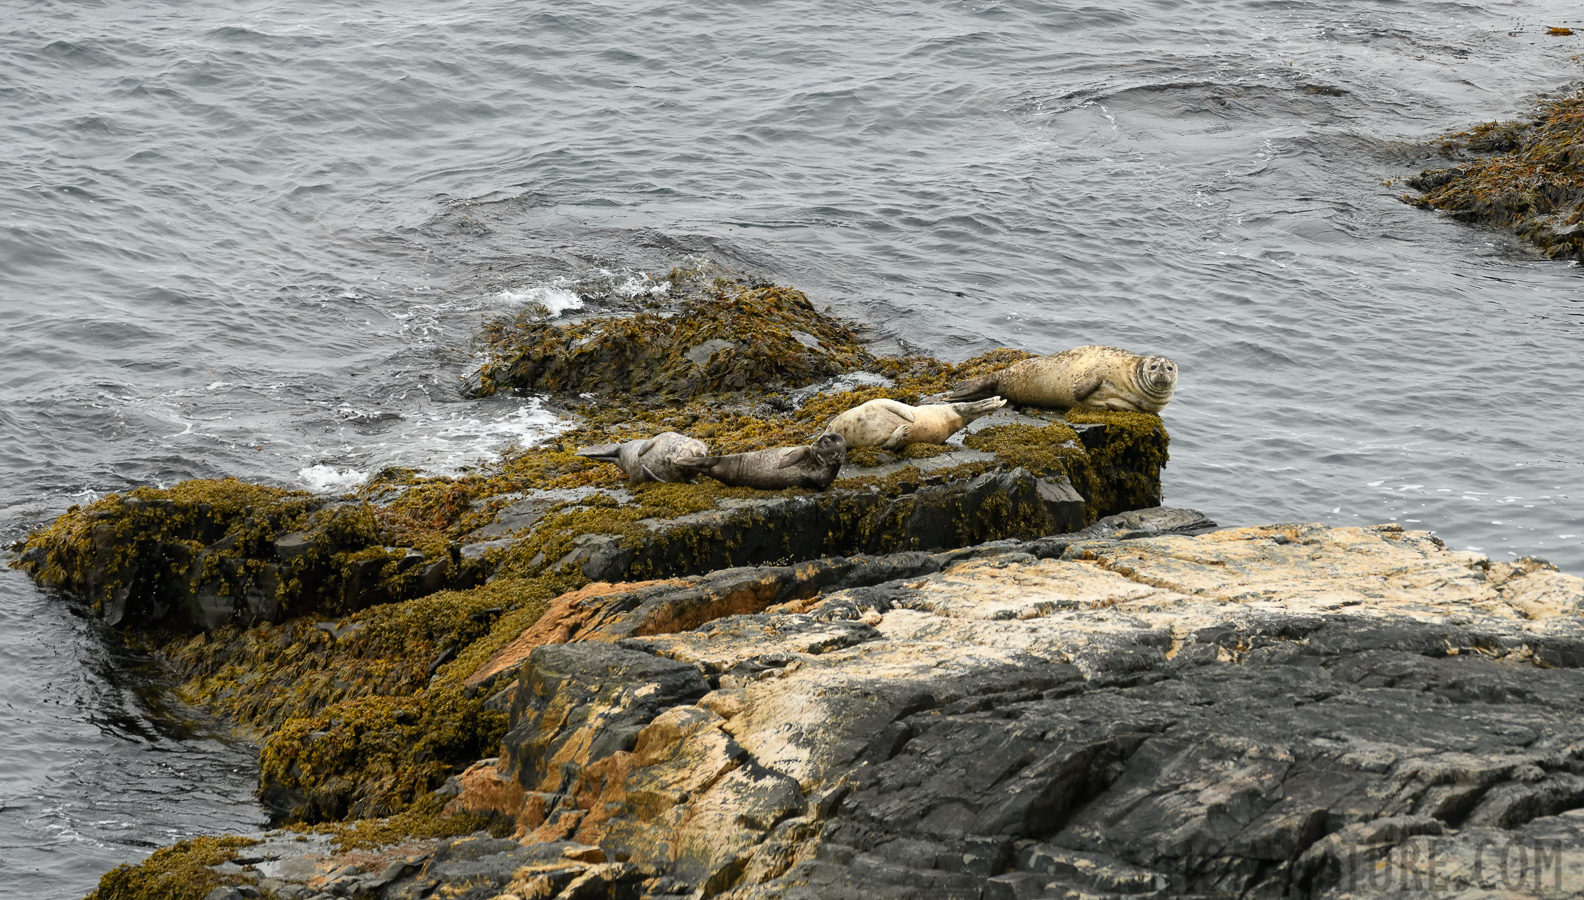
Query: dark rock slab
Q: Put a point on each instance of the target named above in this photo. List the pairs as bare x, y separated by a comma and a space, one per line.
1129, 721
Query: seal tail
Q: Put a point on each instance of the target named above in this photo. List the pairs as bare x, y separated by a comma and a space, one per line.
981, 408
975, 389
602, 453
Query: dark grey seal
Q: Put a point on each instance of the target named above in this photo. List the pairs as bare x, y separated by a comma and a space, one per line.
651, 459
811, 467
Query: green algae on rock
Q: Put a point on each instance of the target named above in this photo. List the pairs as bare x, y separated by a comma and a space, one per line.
178, 872
732, 338
1525, 177
208, 553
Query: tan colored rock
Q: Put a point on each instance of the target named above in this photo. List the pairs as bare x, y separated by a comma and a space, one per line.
1277, 711
568, 617
824, 715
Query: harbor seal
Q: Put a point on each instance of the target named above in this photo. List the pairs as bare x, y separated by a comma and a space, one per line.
813, 467
891, 424
650, 459
1085, 377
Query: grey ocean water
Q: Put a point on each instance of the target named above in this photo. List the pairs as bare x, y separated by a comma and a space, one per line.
254, 239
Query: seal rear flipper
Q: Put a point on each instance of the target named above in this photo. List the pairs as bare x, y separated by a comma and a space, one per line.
603, 453
975, 388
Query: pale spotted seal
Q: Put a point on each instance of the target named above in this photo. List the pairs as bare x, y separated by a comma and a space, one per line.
1085, 377
650, 459
891, 424
782, 467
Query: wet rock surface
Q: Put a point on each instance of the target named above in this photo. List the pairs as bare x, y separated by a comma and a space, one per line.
1283, 711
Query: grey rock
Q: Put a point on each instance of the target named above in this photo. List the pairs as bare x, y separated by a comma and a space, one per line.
476, 551
644, 685
837, 384
1064, 504
1141, 523
806, 339
293, 546
959, 729
701, 354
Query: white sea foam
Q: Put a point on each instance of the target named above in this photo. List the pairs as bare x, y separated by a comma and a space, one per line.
468, 440
462, 436
323, 479
641, 284
553, 297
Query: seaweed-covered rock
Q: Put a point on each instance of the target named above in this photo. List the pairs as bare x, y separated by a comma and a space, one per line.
1524, 177
1289, 710
730, 339
344, 636
211, 553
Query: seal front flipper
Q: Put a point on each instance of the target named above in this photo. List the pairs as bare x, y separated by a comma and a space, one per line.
1086, 384
895, 406
697, 463
794, 457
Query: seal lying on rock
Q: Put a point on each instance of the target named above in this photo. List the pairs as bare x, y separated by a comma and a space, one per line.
651, 459
1089, 377
892, 424
780, 467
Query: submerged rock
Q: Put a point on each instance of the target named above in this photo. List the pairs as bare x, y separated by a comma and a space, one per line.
1524, 177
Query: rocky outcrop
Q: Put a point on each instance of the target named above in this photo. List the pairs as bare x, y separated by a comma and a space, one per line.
1259, 712
729, 338
1524, 177
1283, 711
339, 634
210, 553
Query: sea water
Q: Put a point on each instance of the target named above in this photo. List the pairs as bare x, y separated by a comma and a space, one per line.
256, 239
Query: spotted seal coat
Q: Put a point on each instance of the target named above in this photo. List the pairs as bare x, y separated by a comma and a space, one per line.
813, 467
650, 459
1085, 377
892, 424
